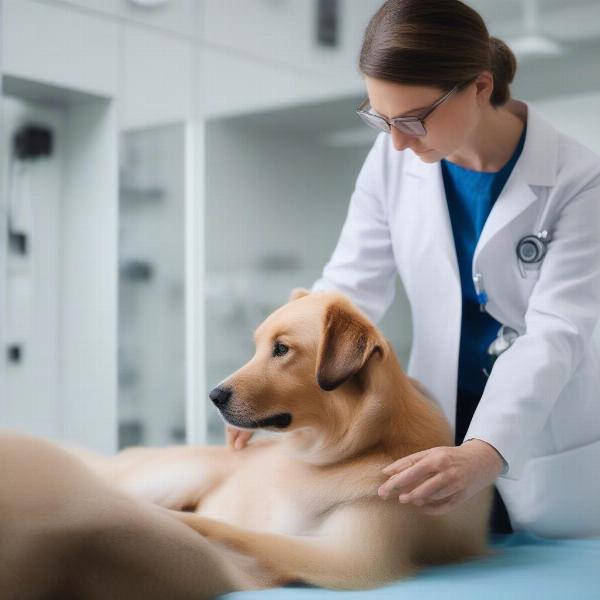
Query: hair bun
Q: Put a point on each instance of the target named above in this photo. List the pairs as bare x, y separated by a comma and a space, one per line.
503, 59
504, 67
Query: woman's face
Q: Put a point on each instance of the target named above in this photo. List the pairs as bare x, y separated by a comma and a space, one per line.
447, 127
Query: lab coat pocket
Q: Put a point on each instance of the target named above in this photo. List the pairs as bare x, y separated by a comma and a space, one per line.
565, 496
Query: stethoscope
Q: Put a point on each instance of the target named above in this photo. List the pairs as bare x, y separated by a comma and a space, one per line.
530, 249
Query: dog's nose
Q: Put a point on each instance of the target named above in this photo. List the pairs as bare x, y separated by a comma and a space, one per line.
220, 396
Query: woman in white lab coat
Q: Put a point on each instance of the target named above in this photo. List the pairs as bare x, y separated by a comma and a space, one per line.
491, 217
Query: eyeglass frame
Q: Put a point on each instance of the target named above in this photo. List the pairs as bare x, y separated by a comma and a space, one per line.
420, 117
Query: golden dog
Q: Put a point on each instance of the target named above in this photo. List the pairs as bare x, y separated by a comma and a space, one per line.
302, 505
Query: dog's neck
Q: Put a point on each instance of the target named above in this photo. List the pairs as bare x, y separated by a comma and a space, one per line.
382, 414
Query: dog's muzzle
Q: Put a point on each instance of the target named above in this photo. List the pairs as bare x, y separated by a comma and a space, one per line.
221, 396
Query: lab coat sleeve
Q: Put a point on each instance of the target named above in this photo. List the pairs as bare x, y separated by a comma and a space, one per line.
563, 310
362, 264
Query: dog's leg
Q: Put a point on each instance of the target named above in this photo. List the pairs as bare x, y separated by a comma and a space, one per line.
323, 560
174, 477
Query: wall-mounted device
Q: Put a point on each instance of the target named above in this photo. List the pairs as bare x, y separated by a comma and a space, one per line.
328, 22
30, 143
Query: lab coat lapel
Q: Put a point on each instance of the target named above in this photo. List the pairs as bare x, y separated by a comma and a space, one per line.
515, 197
433, 241
428, 189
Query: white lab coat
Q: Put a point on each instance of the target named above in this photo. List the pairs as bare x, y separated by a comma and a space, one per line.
541, 405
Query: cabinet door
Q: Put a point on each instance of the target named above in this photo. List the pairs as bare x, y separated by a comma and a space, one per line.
284, 32
157, 78
277, 31
152, 287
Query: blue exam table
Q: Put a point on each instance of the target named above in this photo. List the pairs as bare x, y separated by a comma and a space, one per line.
526, 567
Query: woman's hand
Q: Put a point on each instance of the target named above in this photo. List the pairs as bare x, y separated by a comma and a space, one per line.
237, 438
437, 479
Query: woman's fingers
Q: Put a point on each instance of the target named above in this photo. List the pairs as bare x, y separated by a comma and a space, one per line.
410, 476
242, 439
405, 462
237, 438
434, 489
229, 436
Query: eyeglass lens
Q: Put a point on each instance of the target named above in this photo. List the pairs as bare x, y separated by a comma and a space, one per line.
414, 128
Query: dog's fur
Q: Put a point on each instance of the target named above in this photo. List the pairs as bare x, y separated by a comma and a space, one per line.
302, 505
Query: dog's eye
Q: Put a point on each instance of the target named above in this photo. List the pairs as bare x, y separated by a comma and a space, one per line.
279, 349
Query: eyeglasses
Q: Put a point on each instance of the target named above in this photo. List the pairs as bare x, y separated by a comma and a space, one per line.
410, 125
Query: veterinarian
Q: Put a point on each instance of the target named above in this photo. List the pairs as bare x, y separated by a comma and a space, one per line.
491, 217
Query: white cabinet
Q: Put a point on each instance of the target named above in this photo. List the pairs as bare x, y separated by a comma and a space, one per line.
69, 49
157, 78
61, 381
283, 32
277, 31
229, 84
175, 16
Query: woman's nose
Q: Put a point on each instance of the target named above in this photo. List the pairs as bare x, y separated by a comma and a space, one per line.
399, 139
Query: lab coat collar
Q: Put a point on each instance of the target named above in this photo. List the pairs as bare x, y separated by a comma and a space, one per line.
540, 152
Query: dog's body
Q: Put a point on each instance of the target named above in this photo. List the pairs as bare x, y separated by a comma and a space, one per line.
303, 505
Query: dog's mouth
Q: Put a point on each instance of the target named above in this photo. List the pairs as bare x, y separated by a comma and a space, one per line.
280, 421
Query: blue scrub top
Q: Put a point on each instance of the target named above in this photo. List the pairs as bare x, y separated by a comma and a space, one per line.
470, 196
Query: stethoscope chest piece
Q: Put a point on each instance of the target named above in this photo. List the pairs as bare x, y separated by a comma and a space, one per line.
532, 248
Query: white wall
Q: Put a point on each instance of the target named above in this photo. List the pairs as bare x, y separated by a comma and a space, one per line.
577, 115
88, 277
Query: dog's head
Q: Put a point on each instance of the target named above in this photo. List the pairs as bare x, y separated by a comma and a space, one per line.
313, 360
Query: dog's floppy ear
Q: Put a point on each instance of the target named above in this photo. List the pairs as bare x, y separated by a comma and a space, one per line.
298, 293
347, 342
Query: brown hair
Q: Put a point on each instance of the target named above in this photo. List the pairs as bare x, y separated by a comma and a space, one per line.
440, 43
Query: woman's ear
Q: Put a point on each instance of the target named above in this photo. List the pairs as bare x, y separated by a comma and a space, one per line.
298, 293
348, 340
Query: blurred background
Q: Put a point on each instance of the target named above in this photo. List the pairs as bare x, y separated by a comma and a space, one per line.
171, 169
